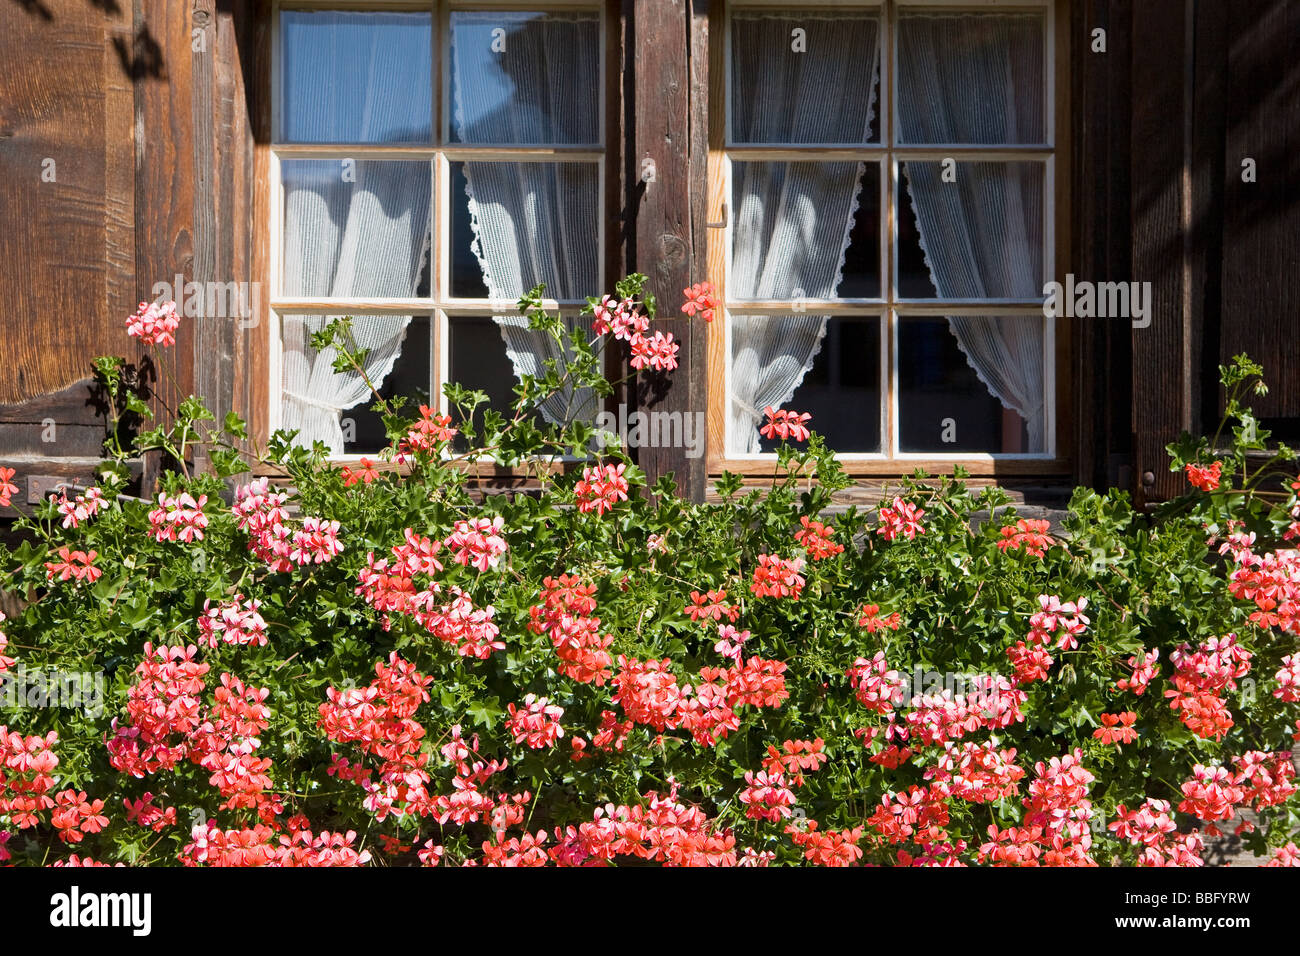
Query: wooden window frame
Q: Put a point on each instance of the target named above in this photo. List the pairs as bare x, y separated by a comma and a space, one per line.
1055, 154
440, 306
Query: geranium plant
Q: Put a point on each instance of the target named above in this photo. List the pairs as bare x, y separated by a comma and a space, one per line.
376, 663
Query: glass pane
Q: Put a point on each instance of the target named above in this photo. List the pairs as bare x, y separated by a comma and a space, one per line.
524, 224
972, 384
976, 228
482, 354
354, 228
971, 78
525, 78
355, 77
840, 387
804, 77
331, 407
410, 379
804, 230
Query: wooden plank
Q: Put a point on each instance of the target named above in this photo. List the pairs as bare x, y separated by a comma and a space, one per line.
670, 64
164, 181
1209, 132
65, 193
617, 177
1161, 363
254, 364
1261, 246
715, 240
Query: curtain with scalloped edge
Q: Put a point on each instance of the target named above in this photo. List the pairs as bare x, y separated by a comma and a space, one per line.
534, 83
791, 221
978, 78
361, 239
357, 229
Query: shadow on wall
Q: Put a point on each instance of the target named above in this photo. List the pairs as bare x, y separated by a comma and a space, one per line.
141, 58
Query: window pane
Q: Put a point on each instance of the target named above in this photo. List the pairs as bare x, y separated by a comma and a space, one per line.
971, 78
355, 77
830, 364
842, 389
330, 407
979, 230
484, 353
804, 230
525, 78
524, 224
354, 229
409, 379
477, 359
971, 384
804, 77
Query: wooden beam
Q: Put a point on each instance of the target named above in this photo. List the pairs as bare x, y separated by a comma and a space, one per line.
1162, 401
669, 107
1261, 243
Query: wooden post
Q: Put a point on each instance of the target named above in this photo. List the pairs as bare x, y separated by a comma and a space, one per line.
1160, 188
669, 105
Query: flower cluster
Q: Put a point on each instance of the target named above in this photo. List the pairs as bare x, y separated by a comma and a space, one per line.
1117, 729
536, 723
380, 720
701, 299
869, 617
27, 766
82, 508
777, 577
1203, 477
477, 543
154, 323
1200, 677
261, 513
1029, 534
564, 616
817, 539
178, 518
785, 425
601, 488
7, 487
625, 321
900, 519
425, 438
74, 565
236, 621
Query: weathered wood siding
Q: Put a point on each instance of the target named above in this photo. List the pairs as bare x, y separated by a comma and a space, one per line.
1184, 93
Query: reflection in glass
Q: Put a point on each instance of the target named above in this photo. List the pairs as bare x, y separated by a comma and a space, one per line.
525, 78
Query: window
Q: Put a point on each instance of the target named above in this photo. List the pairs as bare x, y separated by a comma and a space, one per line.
887, 174
431, 162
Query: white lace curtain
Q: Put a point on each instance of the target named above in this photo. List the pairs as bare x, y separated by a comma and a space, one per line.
977, 78
533, 222
351, 230
791, 221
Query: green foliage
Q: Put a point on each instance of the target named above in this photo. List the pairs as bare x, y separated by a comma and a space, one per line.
1151, 580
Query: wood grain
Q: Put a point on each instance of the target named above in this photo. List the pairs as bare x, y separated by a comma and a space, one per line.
65, 244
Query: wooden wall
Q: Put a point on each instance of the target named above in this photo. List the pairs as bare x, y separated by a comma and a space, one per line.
149, 113
67, 244
154, 113
1186, 90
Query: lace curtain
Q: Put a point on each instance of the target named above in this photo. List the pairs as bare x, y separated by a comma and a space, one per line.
977, 78
351, 231
791, 221
533, 222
